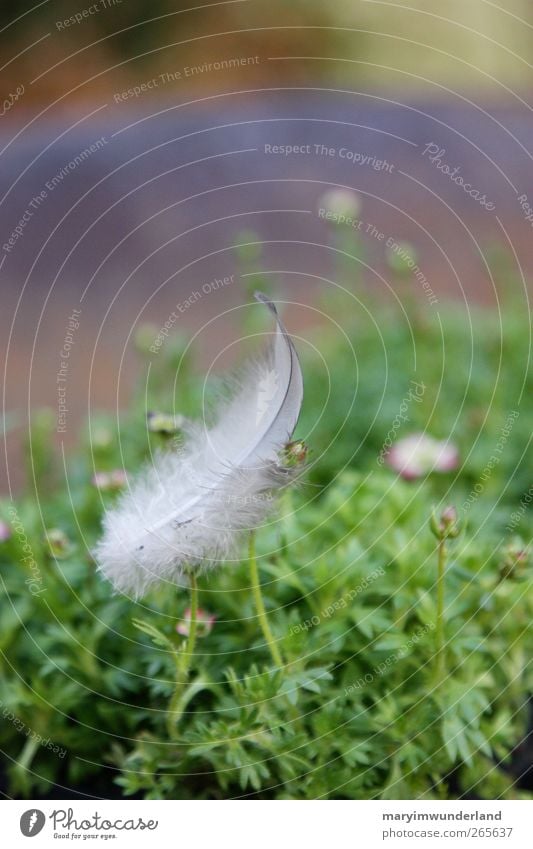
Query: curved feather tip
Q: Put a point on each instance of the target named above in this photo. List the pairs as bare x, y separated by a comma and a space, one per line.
188, 509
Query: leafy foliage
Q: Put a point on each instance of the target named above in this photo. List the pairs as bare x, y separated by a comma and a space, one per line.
356, 712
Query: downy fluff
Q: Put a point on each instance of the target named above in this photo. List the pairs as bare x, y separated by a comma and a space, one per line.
188, 508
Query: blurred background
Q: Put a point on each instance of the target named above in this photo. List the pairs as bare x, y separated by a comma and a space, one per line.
159, 161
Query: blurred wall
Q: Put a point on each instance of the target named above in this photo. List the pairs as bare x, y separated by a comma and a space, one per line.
140, 141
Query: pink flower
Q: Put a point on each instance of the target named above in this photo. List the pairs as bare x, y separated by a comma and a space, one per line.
416, 455
5, 532
110, 481
204, 623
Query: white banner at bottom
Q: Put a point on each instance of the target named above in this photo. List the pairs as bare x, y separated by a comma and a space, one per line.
267, 824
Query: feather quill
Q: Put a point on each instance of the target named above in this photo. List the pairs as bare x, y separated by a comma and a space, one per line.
188, 509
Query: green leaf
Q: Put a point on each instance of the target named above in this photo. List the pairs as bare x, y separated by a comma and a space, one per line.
157, 636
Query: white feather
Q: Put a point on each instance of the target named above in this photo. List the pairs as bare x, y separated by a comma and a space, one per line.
188, 509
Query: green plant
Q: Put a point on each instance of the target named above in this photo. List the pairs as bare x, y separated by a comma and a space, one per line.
349, 585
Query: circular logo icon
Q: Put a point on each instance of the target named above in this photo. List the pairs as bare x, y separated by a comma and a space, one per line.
32, 822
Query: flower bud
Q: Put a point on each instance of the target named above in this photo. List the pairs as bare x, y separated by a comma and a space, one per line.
164, 423
402, 259
248, 246
145, 337
515, 560
445, 526
294, 454
342, 202
59, 545
204, 623
101, 438
5, 532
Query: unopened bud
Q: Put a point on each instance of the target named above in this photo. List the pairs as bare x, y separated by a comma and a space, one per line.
204, 623
294, 453
515, 560
145, 337
445, 526
5, 532
101, 437
164, 423
59, 545
402, 258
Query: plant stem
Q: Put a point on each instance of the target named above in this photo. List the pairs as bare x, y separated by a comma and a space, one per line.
287, 510
440, 653
188, 652
183, 662
259, 605
25, 761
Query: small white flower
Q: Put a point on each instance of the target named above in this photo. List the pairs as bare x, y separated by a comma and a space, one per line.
342, 202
